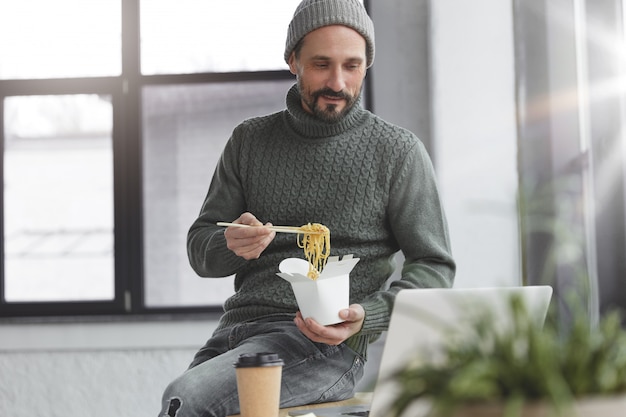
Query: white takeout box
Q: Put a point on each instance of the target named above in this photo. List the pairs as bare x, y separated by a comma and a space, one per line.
323, 298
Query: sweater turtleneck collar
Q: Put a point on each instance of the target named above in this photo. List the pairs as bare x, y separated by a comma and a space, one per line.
307, 125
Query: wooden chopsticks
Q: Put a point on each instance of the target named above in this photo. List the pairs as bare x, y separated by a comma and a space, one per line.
281, 229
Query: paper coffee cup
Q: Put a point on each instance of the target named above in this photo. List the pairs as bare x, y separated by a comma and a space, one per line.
258, 384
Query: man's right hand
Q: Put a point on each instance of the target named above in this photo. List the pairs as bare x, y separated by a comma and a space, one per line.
248, 242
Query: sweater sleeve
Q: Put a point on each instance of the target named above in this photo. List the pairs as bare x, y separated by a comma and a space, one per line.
206, 244
419, 225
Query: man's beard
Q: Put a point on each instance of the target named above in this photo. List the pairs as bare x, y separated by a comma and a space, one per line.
329, 113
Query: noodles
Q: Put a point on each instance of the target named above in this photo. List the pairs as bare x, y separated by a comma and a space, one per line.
316, 247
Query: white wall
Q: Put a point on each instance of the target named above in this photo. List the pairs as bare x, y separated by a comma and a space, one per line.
474, 130
445, 70
462, 102
93, 369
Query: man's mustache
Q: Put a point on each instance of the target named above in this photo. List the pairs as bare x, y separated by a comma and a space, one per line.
330, 93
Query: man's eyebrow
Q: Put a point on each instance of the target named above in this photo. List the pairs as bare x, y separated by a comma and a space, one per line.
327, 58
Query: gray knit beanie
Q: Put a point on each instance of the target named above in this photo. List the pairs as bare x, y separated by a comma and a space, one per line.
314, 14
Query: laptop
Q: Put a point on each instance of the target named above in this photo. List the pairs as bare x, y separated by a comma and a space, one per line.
419, 322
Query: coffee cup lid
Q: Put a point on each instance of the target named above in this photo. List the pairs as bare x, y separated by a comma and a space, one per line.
250, 360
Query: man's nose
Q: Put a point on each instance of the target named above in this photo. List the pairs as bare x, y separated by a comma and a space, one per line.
336, 80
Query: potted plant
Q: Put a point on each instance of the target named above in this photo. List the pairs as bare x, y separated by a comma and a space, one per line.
577, 369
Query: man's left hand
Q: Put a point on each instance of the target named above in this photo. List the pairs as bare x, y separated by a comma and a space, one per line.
334, 334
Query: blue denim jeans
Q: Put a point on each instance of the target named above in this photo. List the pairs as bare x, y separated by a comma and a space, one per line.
312, 373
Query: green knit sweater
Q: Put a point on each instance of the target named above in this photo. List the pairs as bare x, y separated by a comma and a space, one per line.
372, 184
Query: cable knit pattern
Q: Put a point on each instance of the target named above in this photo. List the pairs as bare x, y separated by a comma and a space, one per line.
371, 182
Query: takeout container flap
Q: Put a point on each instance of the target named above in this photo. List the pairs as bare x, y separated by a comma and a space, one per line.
295, 269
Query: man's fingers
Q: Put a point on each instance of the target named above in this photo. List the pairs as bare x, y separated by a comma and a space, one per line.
248, 243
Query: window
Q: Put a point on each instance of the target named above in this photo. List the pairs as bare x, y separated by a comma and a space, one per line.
191, 36
58, 198
185, 128
112, 119
571, 66
60, 39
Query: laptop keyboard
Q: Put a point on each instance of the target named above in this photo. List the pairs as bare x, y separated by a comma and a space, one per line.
357, 413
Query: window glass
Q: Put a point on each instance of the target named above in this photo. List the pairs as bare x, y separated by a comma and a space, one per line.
185, 128
58, 198
59, 39
189, 36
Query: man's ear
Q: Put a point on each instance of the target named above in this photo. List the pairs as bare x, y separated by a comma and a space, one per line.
293, 68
